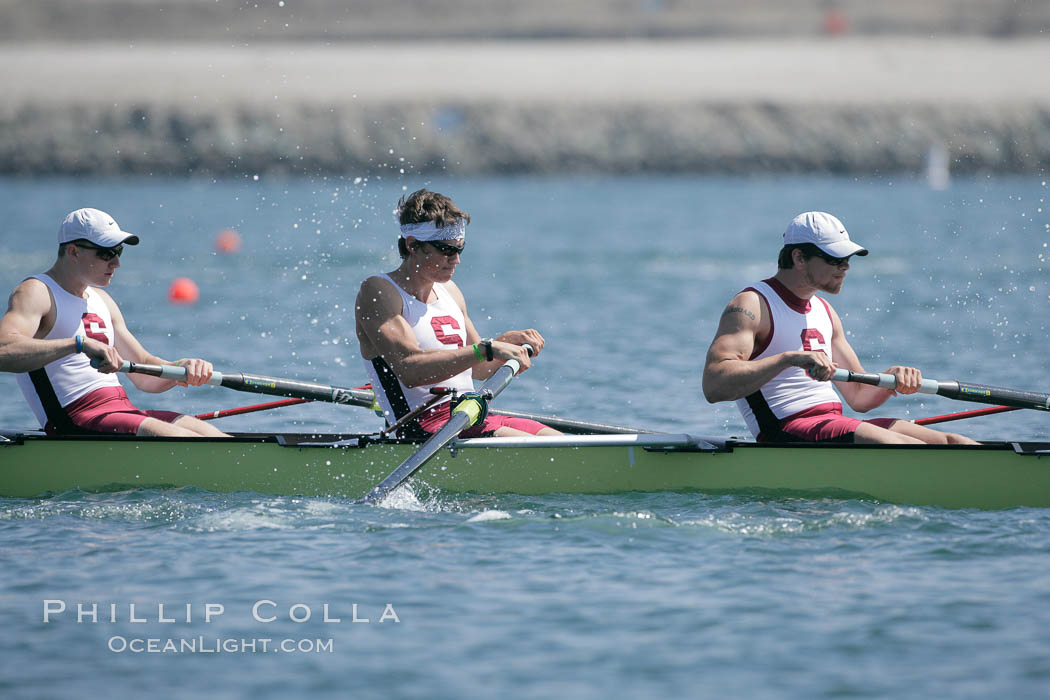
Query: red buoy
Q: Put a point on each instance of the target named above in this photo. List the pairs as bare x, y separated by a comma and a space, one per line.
228, 241
835, 22
183, 291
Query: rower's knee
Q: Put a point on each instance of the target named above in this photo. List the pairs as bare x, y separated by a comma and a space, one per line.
870, 434
924, 435
198, 427
891, 438
153, 427
936, 437
184, 426
507, 431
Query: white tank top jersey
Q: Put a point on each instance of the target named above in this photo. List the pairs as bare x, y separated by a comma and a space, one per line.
439, 325
65, 380
795, 324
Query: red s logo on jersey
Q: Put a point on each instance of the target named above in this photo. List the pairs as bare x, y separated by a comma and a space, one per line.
95, 327
438, 323
813, 341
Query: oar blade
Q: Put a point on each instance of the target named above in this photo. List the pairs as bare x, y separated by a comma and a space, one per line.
424, 454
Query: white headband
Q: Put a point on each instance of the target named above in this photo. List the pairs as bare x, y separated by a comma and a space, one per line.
428, 231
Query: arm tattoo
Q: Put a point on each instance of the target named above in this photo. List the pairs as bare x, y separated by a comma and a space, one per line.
741, 310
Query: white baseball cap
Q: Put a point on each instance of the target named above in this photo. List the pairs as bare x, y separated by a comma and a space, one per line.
95, 226
824, 231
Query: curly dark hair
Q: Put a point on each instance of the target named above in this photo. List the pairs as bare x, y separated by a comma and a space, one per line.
424, 205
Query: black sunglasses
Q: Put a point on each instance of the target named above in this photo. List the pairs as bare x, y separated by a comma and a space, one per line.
837, 262
446, 249
106, 254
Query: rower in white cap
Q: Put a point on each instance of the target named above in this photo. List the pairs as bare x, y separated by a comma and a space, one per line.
778, 344
60, 323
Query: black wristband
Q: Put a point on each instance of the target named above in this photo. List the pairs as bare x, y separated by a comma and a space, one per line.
487, 344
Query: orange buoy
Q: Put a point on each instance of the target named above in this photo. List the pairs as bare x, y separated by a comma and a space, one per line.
228, 241
183, 290
835, 22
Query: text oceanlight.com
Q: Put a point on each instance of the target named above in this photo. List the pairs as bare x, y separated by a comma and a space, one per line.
217, 645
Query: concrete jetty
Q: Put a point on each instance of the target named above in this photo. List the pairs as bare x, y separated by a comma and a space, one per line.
868, 104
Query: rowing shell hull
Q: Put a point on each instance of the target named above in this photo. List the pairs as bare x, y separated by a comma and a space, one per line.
995, 475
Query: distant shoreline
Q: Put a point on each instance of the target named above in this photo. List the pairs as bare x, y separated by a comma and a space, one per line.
837, 105
337, 21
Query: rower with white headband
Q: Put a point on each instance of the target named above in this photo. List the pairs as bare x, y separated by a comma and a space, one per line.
415, 333
430, 231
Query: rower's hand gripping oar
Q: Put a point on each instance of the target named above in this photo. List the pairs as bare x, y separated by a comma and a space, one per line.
256, 384
470, 411
962, 391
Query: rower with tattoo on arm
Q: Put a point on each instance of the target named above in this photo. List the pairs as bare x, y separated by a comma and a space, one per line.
778, 344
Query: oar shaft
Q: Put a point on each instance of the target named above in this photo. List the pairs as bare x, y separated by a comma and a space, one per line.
225, 413
966, 414
961, 391
571, 425
276, 386
257, 384
995, 395
454, 427
459, 421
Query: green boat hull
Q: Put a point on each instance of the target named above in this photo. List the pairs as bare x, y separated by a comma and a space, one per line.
994, 475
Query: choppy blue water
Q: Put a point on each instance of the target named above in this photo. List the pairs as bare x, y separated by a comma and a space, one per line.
632, 595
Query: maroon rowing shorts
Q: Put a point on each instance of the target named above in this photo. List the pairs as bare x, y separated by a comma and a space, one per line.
824, 423
108, 410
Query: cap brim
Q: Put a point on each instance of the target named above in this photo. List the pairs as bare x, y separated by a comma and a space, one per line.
843, 249
132, 239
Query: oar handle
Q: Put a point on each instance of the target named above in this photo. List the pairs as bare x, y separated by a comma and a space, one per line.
514, 367
172, 372
886, 381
